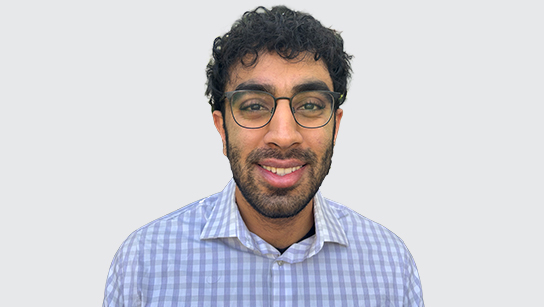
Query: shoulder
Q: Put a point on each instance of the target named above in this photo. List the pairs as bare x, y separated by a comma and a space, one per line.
374, 246
187, 220
376, 251
361, 230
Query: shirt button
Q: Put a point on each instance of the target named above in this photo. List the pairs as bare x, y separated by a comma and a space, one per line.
280, 263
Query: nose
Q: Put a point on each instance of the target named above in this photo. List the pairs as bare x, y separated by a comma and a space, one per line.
283, 131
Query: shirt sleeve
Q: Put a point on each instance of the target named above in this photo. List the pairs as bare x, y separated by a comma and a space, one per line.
413, 294
123, 282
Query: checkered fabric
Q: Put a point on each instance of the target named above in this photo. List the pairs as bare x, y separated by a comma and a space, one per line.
204, 255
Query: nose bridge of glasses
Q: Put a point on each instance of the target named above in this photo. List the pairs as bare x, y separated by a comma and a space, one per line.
288, 102
280, 104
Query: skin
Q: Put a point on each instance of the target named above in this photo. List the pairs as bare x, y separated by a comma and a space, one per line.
279, 209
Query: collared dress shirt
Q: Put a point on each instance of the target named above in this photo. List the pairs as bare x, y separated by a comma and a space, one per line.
204, 255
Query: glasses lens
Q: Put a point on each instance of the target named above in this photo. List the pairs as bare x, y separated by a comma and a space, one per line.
252, 109
313, 109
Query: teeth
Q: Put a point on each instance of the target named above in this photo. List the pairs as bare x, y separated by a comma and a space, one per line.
281, 171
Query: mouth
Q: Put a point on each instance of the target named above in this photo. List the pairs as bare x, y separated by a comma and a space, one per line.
281, 174
281, 171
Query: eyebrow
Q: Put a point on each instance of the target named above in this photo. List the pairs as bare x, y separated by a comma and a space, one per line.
314, 85
252, 86
311, 86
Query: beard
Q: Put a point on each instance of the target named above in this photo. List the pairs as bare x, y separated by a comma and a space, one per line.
272, 202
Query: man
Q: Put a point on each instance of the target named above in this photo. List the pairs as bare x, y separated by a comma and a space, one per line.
276, 82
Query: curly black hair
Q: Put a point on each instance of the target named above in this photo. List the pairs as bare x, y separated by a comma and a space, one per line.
288, 33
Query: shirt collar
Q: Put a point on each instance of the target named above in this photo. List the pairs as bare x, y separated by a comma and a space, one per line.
327, 224
225, 221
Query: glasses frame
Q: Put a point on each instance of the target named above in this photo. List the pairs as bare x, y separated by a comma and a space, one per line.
335, 95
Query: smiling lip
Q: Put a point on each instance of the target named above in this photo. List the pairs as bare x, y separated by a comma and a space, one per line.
281, 173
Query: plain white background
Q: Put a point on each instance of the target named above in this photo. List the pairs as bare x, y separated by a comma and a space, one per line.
104, 127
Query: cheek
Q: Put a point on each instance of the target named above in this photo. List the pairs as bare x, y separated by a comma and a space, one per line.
244, 140
320, 140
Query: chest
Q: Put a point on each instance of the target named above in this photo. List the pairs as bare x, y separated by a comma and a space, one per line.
226, 277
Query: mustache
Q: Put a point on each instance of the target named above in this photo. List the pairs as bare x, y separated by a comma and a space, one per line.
304, 155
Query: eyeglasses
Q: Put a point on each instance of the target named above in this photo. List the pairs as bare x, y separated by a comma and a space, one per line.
254, 109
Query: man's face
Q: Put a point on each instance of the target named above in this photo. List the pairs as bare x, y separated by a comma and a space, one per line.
278, 168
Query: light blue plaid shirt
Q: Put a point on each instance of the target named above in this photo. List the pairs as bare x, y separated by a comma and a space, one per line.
204, 255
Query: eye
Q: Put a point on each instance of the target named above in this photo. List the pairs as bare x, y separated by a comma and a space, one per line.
311, 102
310, 106
253, 106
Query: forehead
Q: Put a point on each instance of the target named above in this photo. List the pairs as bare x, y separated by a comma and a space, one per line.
279, 74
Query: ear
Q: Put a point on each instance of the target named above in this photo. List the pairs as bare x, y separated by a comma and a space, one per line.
339, 113
218, 122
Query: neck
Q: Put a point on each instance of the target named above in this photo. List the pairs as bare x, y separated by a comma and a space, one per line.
278, 232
